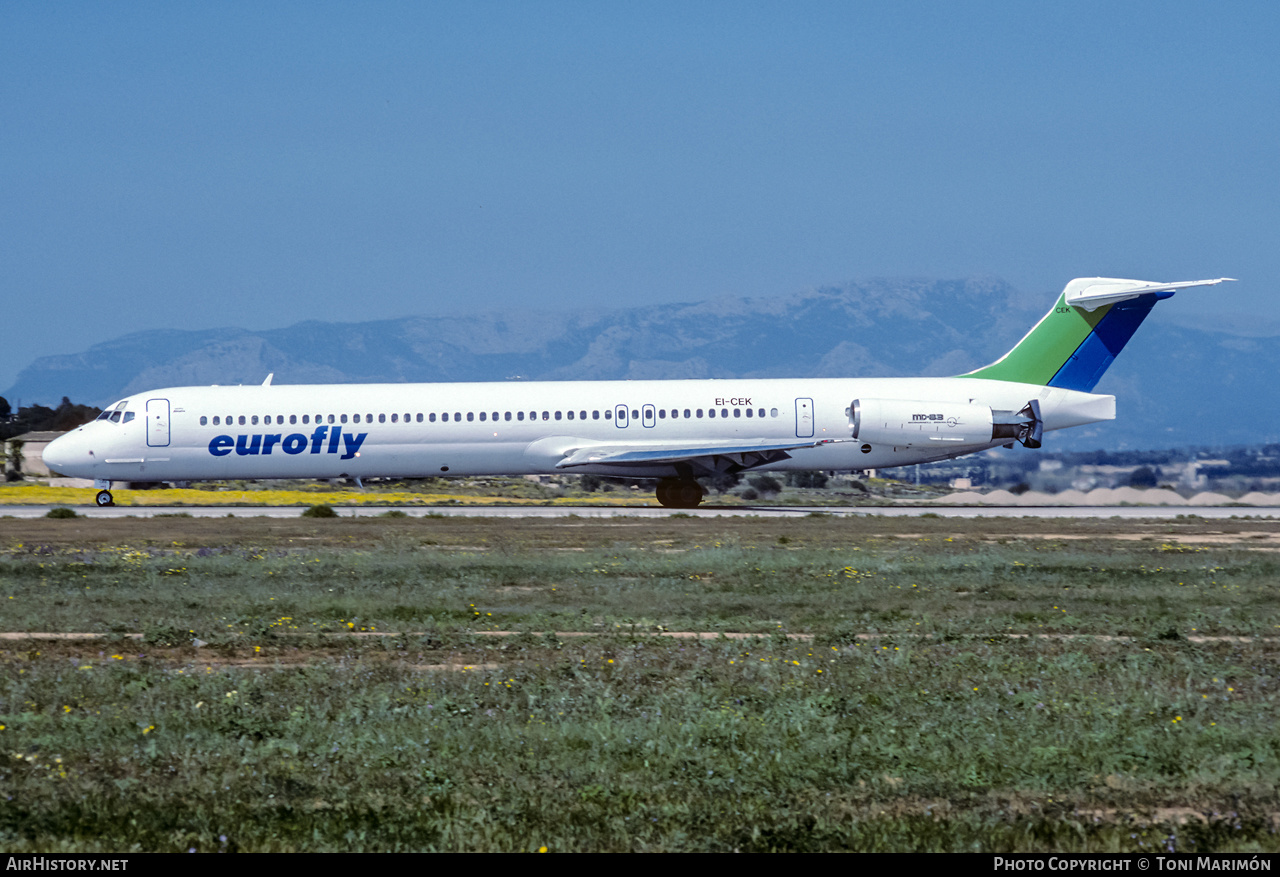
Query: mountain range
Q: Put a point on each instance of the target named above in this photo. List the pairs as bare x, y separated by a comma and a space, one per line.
1175, 384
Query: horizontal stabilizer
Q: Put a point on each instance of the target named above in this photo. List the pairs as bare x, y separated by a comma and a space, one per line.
1092, 293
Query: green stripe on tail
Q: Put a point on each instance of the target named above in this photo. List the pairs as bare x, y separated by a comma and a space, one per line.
1042, 351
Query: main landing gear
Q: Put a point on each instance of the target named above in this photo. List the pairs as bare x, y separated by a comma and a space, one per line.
677, 493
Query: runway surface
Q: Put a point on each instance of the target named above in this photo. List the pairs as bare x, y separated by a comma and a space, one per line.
1158, 512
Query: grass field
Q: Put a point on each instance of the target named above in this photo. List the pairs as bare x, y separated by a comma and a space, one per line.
461, 684
446, 491
495, 491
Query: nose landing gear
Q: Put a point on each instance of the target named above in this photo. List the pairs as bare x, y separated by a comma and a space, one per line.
104, 497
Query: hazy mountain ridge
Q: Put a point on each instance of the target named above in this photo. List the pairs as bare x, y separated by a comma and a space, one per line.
1175, 384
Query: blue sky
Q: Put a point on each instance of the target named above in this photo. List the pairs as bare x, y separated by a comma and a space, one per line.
191, 165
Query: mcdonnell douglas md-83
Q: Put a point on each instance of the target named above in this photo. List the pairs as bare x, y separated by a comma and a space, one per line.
672, 431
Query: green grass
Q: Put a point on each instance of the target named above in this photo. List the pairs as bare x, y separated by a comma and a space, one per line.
933, 685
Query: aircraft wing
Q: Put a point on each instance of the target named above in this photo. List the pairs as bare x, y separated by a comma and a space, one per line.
708, 457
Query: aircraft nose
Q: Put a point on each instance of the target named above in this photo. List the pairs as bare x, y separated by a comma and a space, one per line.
64, 453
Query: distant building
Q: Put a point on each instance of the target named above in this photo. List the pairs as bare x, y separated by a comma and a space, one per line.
24, 454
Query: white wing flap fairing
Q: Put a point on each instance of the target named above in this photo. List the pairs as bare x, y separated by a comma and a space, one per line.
744, 455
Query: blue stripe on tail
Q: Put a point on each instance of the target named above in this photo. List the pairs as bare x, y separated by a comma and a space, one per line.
1085, 367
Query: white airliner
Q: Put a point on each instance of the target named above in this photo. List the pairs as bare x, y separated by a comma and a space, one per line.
672, 431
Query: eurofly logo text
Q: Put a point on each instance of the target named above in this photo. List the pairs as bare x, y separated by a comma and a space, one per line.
322, 440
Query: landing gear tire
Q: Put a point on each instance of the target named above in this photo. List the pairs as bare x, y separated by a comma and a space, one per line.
104, 499
674, 494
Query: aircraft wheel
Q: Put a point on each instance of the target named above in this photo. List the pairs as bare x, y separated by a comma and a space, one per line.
104, 499
690, 494
675, 494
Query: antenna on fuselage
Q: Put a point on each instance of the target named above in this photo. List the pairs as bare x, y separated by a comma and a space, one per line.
267, 382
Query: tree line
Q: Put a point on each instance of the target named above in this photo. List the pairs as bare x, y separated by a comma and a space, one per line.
40, 418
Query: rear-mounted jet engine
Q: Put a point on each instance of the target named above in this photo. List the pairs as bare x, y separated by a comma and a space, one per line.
915, 424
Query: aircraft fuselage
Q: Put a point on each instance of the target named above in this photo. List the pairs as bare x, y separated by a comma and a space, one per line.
518, 428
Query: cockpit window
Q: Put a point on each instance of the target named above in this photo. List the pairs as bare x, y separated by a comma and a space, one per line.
128, 415
112, 413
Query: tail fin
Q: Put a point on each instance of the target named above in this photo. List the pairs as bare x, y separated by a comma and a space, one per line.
1074, 343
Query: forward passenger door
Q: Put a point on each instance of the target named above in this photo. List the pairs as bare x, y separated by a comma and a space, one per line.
157, 423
